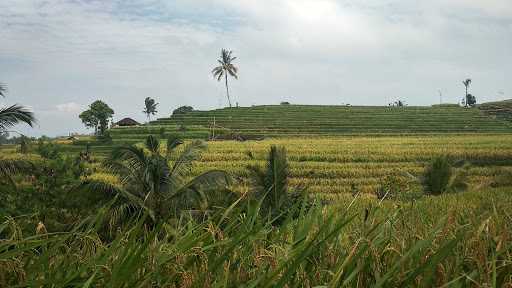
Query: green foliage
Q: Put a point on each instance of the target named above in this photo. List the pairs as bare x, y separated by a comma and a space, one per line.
270, 186
156, 183
438, 175
12, 115
149, 107
161, 132
441, 177
471, 100
97, 116
396, 247
182, 110
48, 150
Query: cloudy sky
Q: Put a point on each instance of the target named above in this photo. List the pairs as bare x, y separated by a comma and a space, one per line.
58, 56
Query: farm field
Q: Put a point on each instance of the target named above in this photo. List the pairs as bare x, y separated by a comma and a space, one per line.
350, 234
332, 166
336, 166
329, 144
297, 121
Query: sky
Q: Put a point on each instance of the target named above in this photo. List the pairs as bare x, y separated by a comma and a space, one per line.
58, 56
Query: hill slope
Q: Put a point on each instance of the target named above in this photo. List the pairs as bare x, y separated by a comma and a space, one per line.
299, 120
500, 109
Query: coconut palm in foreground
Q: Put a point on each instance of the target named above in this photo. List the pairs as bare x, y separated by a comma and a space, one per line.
150, 107
226, 67
12, 115
9, 117
157, 183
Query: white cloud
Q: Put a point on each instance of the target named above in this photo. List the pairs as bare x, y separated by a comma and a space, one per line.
70, 107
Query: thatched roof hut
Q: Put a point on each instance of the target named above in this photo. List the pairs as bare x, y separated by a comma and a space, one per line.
127, 122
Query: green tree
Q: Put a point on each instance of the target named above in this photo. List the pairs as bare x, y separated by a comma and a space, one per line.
471, 100
157, 181
150, 107
466, 83
97, 117
226, 67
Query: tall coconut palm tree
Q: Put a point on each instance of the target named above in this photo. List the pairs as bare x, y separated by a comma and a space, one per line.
155, 182
150, 107
466, 83
226, 67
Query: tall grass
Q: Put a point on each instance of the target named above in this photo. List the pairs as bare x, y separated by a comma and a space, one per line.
358, 243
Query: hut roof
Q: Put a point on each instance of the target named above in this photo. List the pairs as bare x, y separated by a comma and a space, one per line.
127, 122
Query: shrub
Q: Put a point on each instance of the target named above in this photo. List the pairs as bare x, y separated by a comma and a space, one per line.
48, 150
182, 110
438, 175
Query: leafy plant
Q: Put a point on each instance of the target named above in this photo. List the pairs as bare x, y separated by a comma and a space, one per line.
182, 110
270, 186
441, 177
157, 183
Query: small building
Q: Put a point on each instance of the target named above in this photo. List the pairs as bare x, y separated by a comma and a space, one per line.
127, 122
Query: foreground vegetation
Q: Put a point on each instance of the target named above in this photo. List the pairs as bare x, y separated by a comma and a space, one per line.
458, 240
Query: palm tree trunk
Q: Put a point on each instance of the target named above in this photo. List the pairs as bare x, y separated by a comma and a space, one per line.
466, 96
227, 89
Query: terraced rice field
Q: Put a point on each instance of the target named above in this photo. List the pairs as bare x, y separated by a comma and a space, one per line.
331, 166
297, 121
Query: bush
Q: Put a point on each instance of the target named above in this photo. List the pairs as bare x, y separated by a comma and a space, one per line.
48, 150
438, 176
182, 110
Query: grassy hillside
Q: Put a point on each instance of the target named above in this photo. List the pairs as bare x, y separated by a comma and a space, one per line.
500, 110
296, 120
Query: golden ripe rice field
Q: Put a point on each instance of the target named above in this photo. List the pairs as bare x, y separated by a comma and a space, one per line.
332, 166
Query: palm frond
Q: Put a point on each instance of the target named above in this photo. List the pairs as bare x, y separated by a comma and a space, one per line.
191, 153
173, 142
10, 116
232, 73
276, 178
214, 180
3, 89
152, 144
113, 190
